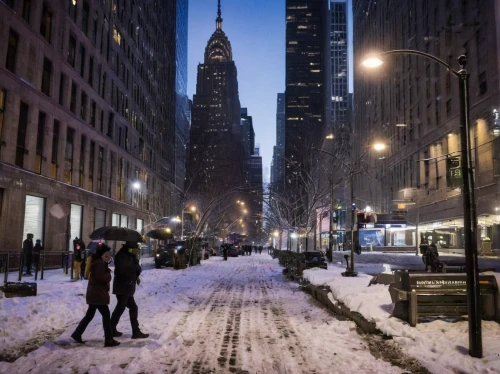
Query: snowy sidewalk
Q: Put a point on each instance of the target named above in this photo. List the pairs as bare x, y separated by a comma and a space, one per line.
440, 345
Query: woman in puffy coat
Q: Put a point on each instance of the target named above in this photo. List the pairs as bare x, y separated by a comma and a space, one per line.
98, 297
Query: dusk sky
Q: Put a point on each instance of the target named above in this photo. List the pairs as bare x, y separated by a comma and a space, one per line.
256, 30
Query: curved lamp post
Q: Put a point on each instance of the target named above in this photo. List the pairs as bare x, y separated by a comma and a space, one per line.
470, 219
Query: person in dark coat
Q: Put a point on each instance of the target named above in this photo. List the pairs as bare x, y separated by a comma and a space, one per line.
225, 250
78, 253
28, 252
37, 249
98, 298
127, 271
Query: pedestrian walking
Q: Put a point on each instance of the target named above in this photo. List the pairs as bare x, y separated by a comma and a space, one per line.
28, 252
98, 298
127, 271
37, 249
224, 251
78, 257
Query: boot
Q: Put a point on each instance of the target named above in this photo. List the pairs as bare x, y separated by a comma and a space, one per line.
139, 335
111, 343
116, 333
77, 338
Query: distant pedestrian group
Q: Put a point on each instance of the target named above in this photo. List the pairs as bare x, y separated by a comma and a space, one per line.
31, 254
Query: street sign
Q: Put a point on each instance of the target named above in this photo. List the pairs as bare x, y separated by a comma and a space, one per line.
453, 173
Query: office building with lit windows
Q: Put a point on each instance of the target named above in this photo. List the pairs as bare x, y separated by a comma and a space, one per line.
87, 117
216, 147
306, 95
412, 104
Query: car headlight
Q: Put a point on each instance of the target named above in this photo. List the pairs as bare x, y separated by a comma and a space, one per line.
157, 255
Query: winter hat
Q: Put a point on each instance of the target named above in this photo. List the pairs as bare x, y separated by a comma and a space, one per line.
102, 249
131, 244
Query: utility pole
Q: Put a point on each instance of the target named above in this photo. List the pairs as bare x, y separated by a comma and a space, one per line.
332, 223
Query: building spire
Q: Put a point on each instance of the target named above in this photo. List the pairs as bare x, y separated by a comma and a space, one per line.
218, 20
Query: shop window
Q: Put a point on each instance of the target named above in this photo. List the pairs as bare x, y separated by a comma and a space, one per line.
75, 222
119, 220
34, 217
139, 224
99, 218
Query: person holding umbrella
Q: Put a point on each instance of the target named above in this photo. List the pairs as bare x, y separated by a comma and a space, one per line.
98, 298
127, 271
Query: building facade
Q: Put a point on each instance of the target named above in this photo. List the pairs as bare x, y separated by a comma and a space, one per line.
216, 147
307, 87
181, 98
86, 117
278, 166
412, 104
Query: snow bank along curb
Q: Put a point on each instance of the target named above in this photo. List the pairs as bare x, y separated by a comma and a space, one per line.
324, 295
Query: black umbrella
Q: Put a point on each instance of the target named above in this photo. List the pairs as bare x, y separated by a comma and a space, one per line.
116, 233
161, 234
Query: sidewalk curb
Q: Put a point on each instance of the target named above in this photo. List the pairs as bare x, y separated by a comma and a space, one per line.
320, 293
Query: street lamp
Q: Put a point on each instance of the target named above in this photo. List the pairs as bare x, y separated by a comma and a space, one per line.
192, 209
470, 219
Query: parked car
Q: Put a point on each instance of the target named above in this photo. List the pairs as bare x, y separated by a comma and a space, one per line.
233, 251
240, 250
310, 260
170, 254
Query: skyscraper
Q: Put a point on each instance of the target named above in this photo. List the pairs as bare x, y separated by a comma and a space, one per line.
339, 68
278, 166
181, 98
216, 150
248, 138
306, 96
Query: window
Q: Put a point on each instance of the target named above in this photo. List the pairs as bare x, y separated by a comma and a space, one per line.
117, 37
448, 109
72, 9
21, 134
83, 106
111, 125
3, 95
27, 10
91, 165
39, 142
100, 163
82, 60
91, 71
85, 17
71, 50
483, 83
62, 84
46, 23
55, 150
94, 29
12, 51
92, 113
68, 155
83, 145
99, 218
46, 76
72, 104
75, 222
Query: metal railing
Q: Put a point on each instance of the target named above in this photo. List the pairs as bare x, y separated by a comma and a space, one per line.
14, 260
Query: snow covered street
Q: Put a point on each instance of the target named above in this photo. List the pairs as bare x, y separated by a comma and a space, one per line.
237, 316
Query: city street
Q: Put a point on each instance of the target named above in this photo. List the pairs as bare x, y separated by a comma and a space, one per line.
237, 316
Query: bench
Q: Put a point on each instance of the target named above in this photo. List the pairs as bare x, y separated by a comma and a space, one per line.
422, 294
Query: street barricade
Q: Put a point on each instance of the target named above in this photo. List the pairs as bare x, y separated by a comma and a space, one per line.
422, 294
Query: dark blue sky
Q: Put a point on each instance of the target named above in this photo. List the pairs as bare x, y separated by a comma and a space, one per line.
256, 30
